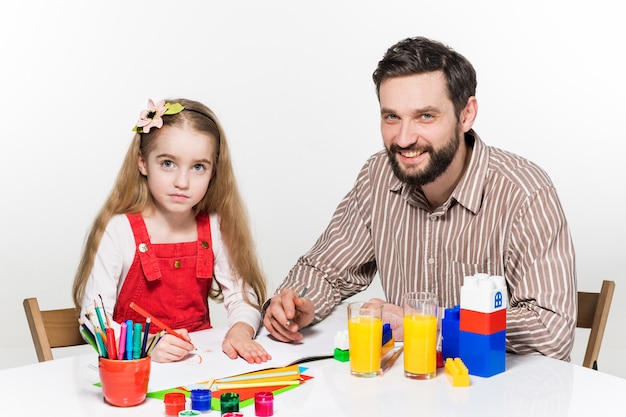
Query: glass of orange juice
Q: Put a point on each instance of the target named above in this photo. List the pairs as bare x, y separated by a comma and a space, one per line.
420, 323
365, 335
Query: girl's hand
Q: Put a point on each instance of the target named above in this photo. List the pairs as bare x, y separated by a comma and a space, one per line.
171, 349
239, 342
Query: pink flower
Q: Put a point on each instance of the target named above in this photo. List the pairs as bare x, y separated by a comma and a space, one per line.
151, 117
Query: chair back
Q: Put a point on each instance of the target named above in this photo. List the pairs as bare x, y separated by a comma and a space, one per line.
52, 328
593, 312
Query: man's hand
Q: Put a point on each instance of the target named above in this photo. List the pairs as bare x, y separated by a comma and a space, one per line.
393, 315
286, 314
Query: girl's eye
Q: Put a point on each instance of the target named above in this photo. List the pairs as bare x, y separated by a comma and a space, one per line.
167, 163
199, 167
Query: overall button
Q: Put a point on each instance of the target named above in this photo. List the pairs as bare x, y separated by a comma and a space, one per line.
176, 264
205, 244
143, 248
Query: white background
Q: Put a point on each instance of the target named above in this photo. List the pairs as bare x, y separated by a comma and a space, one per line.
291, 83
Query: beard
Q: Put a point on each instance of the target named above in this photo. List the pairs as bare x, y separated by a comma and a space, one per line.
440, 160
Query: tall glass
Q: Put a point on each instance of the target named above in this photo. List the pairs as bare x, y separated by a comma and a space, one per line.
365, 334
420, 335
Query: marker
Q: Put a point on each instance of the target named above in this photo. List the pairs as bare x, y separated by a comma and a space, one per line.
111, 349
156, 321
122, 349
299, 296
129, 339
137, 341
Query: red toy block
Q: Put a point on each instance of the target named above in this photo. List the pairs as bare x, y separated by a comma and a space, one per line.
482, 323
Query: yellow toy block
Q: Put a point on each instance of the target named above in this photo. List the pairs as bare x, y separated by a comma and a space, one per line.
457, 372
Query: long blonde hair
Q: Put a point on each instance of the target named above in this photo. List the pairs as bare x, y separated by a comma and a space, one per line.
130, 194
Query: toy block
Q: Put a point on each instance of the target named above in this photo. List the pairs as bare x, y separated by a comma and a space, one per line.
482, 323
484, 293
342, 345
484, 355
341, 355
388, 341
342, 341
450, 326
457, 372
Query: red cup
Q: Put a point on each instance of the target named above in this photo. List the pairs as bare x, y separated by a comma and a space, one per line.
124, 382
174, 403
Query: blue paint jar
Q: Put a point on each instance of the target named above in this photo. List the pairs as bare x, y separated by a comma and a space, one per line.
201, 399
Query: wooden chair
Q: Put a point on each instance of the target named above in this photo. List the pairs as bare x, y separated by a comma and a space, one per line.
52, 328
593, 311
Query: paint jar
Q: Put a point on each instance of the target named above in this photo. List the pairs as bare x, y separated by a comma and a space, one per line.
201, 399
189, 413
229, 402
124, 382
263, 404
174, 403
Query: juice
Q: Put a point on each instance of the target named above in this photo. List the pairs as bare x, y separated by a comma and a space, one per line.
365, 334
420, 345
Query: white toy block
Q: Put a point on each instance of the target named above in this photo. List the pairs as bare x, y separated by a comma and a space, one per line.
484, 293
342, 342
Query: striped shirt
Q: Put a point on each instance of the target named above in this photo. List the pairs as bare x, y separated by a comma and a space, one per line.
503, 218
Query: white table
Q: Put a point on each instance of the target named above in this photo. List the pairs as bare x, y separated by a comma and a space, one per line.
531, 386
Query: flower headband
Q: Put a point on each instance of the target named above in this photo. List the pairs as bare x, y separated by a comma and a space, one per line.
152, 116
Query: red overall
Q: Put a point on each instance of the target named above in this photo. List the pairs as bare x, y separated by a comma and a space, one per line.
169, 280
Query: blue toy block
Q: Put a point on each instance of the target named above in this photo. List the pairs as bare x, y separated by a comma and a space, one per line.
450, 325
484, 355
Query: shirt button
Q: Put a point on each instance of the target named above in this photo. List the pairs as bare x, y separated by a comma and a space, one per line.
431, 260
143, 248
176, 264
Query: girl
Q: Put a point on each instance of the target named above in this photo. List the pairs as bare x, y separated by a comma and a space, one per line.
174, 232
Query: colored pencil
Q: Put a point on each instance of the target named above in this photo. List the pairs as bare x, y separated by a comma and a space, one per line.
258, 376
156, 321
100, 319
101, 345
87, 329
144, 345
219, 387
390, 362
154, 342
90, 339
106, 316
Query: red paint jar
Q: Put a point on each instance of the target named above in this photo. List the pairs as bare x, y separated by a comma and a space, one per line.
174, 403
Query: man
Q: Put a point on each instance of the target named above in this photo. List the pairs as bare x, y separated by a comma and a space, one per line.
438, 205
